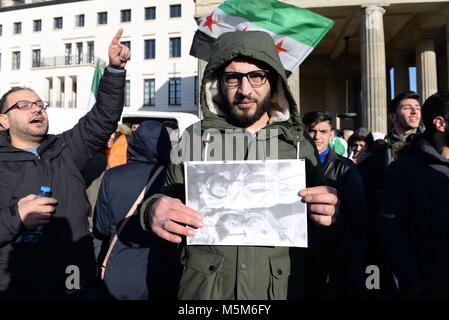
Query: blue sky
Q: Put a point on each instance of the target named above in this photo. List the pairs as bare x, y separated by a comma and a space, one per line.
412, 80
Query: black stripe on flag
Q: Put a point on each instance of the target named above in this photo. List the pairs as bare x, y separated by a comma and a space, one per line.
201, 45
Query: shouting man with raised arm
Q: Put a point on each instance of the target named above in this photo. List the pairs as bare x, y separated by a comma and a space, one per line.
61, 264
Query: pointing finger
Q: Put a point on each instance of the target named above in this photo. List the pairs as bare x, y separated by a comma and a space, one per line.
116, 39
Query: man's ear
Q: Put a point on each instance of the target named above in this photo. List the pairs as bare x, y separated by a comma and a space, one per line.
4, 121
439, 123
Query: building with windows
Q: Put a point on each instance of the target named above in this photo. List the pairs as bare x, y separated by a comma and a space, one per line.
53, 46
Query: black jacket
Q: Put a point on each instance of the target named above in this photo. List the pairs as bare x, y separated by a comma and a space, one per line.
341, 246
414, 222
141, 266
39, 270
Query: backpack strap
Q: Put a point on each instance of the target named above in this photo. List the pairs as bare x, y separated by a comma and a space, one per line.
130, 212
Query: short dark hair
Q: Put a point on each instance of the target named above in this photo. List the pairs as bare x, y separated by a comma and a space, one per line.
312, 118
436, 105
392, 106
3, 105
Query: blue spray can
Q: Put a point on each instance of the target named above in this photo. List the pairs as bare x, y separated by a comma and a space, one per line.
34, 236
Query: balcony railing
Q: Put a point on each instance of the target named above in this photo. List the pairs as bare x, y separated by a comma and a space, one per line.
59, 61
10, 3
61, 104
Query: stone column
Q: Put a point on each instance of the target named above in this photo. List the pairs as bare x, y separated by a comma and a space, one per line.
426, 65
401, 76
293, 83
56, 93
201, 66
68, 90
447, 45
374, 82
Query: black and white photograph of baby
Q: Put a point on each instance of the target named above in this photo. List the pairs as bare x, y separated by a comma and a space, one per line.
248, 202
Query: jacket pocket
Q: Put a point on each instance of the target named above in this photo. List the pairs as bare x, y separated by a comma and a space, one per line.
280, 272
201, 275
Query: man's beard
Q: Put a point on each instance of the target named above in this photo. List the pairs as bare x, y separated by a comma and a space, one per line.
244, 120
35, 134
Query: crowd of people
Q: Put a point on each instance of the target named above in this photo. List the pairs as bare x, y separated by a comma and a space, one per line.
371, 199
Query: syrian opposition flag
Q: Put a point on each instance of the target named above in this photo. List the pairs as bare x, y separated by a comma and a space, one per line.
295, 31
95, 85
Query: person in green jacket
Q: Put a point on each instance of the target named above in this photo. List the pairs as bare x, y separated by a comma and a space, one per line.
244, 94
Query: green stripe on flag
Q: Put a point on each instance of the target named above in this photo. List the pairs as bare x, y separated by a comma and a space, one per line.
96, 79
281, 18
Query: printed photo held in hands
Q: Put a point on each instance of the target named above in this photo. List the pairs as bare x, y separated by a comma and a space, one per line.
248, 202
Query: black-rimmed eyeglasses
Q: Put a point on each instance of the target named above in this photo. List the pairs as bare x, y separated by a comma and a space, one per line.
25, 105
256, 78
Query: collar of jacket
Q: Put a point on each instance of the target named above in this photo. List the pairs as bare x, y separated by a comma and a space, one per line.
286, 129
51, 147
331, 156
425, 147
394, 137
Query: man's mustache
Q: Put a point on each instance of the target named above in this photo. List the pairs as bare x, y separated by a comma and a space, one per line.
244, 99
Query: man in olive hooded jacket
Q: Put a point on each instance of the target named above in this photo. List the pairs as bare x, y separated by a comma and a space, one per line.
244, 94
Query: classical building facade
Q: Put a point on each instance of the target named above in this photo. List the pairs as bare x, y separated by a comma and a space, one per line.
348, 73
52, 46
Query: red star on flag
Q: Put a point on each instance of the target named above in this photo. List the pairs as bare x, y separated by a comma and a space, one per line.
279, 47
209, 22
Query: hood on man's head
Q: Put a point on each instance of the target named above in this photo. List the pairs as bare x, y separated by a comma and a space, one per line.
362, 134
254, 45
150, 143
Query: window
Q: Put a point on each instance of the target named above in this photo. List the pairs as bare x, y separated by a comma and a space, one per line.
79, 20
16, 60
195, 85
126, 43
150, 49
127, 93
175, 47
125, 15
150, 13
149, 92
36, 62
102, 18
90, 52
175, 11
37, 25
174, 91
68, 53
79, 52
57, 23
17, 27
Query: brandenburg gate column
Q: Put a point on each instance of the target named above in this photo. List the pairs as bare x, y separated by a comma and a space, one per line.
374, 81
293, 83
426, 66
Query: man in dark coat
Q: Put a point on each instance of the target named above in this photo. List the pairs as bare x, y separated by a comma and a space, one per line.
244, 96
334, 261
414, 216
140, 266
62, 264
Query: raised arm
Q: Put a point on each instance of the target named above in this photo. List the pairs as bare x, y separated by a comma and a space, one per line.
94, 129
